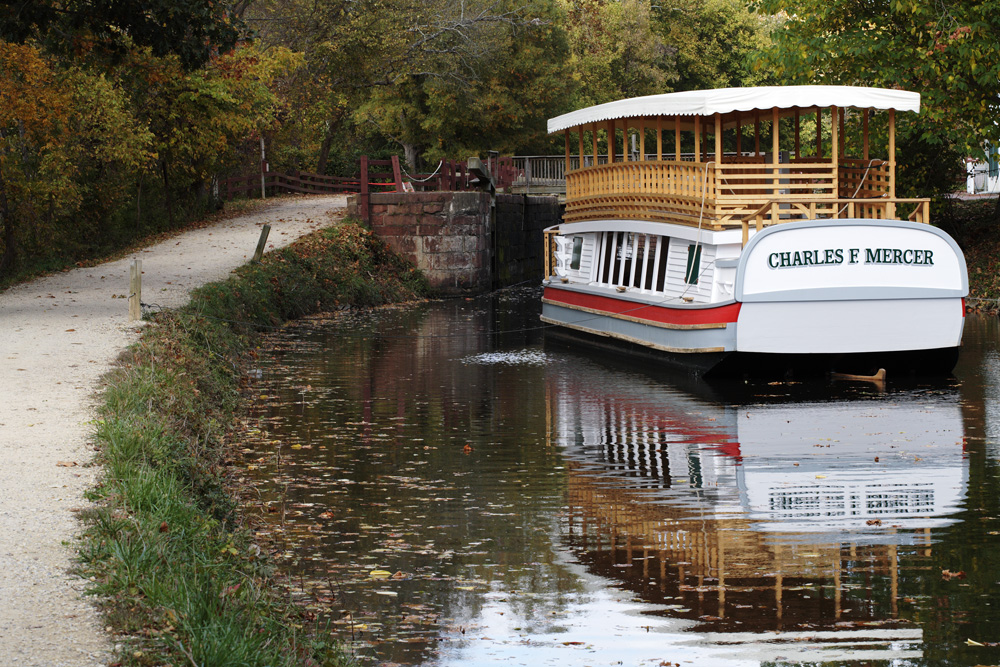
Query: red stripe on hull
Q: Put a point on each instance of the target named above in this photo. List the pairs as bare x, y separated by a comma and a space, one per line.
662, 314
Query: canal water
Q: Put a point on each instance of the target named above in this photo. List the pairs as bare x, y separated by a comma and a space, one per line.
445, 484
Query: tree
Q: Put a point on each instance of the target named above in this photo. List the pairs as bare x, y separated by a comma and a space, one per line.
193, 30
616, 51
472, 82
716, 42
947, 50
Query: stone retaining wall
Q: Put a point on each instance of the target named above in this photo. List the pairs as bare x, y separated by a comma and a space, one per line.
458, 242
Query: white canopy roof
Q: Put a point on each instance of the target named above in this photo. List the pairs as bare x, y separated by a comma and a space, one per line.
727, 100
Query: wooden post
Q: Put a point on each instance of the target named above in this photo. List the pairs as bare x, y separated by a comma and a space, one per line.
363, 196
892, 162
261, 243
397, 173
775, 154
135, 290
263, 167
835, 149
580, 148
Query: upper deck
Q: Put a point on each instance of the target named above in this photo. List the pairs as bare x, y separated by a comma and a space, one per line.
737, 157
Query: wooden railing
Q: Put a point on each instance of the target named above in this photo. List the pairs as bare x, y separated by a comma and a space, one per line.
717, 196
882, 208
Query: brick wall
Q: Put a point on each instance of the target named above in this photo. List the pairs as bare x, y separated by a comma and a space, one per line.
454, 240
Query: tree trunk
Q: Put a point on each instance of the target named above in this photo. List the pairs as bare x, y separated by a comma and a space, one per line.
324, 153
168, 196
9, 237
411, 153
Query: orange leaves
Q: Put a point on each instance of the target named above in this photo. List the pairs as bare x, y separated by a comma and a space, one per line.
29, 96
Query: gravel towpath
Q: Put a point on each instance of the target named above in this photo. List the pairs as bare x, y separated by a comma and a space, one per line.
58, 336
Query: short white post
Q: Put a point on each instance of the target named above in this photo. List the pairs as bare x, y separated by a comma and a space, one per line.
135, 291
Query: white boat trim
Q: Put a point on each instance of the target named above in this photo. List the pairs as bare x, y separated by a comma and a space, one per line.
639, 320
727, 100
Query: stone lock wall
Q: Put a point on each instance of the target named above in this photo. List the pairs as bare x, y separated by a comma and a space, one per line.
458, 242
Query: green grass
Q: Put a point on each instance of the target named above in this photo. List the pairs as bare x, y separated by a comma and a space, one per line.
167, 547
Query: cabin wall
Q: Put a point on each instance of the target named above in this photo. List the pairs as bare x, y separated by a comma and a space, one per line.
461, 243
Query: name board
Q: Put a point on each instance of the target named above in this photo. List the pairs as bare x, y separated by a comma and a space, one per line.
836, 256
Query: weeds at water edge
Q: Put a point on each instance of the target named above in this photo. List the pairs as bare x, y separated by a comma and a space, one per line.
167, 548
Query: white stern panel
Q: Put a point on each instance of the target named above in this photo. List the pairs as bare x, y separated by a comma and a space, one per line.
810, 327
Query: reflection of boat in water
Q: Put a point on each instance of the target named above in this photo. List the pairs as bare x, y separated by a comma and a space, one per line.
775, 517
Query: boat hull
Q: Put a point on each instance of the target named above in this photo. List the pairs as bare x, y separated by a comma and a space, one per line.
832, 295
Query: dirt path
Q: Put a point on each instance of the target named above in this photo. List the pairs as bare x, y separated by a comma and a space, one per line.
58, 335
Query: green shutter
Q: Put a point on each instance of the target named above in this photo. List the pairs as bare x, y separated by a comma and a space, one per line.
693, 265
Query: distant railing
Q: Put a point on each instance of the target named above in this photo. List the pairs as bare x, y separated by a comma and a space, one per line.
373, 176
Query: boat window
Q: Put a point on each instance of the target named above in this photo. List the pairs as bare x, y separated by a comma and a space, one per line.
693, 264
577, 253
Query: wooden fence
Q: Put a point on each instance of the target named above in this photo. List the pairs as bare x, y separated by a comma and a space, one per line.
373, 176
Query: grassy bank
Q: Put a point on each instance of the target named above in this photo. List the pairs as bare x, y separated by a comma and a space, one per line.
167, 548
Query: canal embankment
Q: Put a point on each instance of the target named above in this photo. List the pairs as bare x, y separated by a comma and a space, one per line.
167, 546
60, 334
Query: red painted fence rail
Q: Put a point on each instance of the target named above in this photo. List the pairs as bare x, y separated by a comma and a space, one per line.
373, 176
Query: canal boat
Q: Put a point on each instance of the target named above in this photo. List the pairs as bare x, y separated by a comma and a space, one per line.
751, 231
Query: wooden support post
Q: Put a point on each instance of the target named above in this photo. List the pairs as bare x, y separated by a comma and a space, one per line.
775, 127
580, 149
892, 159
835, 148
261, 243
135, 290
397, 173
363, 196
775, 156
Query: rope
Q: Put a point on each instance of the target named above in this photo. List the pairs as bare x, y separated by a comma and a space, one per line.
422, 180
